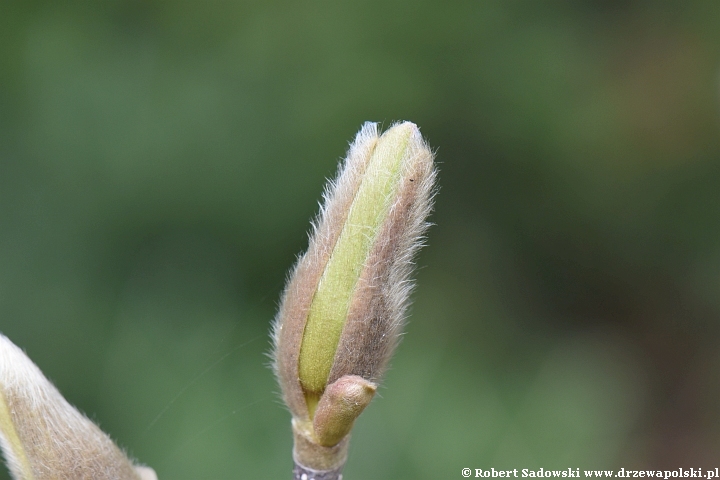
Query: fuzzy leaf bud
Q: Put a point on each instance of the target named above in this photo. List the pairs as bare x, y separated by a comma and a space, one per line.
43, 437
343, 307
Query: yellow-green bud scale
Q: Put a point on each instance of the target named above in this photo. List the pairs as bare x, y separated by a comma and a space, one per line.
332, 298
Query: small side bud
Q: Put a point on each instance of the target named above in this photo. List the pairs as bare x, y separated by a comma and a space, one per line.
43, 437
343, 401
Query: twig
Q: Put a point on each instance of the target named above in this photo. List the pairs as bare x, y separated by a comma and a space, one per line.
302, 473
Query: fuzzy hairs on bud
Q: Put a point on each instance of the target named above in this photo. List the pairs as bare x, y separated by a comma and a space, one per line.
344, 304
43, 437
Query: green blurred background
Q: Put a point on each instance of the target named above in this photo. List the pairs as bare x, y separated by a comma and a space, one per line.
160, 162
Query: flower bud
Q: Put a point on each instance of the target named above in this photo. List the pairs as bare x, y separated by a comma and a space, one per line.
43, 437
343, 307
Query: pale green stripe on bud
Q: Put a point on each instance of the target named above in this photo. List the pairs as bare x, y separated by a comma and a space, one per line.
332, 298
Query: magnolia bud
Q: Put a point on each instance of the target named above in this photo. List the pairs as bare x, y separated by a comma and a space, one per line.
343, 307
43, 437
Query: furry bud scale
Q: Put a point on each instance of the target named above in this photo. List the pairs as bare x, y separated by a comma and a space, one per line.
343, 307
43, 437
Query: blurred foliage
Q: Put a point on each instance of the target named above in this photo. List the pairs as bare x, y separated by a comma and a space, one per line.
159, 163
